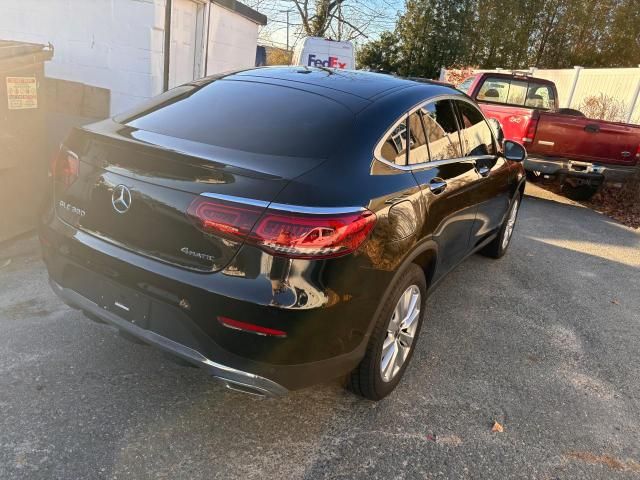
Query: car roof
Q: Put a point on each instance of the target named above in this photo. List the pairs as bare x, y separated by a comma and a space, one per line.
366, 85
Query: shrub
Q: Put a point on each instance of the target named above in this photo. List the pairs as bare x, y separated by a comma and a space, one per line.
604, 107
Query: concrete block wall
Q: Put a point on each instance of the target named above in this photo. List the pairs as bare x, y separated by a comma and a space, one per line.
113, 44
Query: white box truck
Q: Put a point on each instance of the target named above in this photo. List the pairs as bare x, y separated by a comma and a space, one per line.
322, 52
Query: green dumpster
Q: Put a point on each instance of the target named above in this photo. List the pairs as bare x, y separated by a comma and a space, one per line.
23, 162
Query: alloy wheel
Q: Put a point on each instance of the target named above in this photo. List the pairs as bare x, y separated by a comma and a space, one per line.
401, 332
511, 222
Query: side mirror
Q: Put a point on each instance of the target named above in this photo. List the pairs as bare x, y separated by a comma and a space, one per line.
496, 126
514, 151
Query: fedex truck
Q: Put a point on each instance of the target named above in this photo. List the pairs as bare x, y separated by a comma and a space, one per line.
321, 52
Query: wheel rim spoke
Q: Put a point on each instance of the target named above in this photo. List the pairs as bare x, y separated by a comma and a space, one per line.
389, 361
511, 221
388, 341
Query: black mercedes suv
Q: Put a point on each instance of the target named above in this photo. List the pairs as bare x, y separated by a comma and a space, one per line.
280, 227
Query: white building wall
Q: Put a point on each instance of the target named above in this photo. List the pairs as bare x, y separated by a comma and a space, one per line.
119, 44
232, 41
113, 44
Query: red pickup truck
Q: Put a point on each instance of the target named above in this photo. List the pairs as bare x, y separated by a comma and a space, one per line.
580, 152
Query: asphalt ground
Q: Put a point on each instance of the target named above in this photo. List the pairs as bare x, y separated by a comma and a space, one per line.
545, 341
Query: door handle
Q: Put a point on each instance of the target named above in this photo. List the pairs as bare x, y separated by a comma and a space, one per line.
437, 185
592, 128
484, 170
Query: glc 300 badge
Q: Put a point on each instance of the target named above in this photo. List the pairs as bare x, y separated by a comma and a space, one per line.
71, 208
121, 199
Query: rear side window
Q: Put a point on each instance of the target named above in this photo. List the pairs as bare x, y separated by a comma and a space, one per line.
250, 117
518, 92
441, 130
475, 131
540, 96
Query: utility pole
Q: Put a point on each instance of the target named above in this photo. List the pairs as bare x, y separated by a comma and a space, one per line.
288, 31
287, 12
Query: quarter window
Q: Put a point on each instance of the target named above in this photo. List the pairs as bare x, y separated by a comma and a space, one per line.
441, 129
394, 148
475, 131
418, 150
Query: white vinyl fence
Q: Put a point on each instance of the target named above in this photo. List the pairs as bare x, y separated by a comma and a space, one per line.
577, 84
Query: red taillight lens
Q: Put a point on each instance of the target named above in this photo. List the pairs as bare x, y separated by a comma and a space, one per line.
531, 130
312, 236
66, 167
227, 219
281, 232
251, 327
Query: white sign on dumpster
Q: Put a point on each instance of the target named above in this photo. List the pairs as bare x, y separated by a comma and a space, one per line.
22, 93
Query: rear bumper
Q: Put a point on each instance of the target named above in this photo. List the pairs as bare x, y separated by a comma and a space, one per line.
233, 378
592, 173
326, 309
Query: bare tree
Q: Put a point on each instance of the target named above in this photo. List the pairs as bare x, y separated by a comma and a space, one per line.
337, 19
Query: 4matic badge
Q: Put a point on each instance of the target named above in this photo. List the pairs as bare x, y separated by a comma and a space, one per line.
202, 256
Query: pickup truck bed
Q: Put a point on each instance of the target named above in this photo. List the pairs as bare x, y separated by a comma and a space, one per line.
580, 152
563, 143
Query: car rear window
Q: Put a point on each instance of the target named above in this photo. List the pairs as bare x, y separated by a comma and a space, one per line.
247, 116
519, 92
464, 86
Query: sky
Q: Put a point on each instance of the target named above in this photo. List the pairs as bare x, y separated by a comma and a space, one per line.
275, 31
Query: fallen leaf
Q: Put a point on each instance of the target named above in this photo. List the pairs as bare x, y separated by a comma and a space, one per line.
497, 427
615, 301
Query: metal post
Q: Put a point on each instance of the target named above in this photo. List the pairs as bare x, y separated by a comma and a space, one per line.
167, 44
636, 95
575, 84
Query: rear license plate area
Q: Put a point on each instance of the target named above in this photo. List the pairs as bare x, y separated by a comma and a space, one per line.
109, 295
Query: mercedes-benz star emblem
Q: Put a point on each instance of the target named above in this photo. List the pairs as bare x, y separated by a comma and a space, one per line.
121, 199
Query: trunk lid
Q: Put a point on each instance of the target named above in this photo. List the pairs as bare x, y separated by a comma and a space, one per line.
134, 187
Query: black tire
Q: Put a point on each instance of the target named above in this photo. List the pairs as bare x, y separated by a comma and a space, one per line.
497, 247
366, 379
579, 193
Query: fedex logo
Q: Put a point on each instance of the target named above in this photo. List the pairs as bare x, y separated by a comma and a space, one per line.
331, 62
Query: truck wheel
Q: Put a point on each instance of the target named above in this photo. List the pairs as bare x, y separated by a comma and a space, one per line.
534, 176
498, 246
581, 192
394, 337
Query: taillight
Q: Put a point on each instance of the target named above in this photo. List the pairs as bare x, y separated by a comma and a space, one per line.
638, 152
227, 219
531, 129
312, 236
283, 232
65, 167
